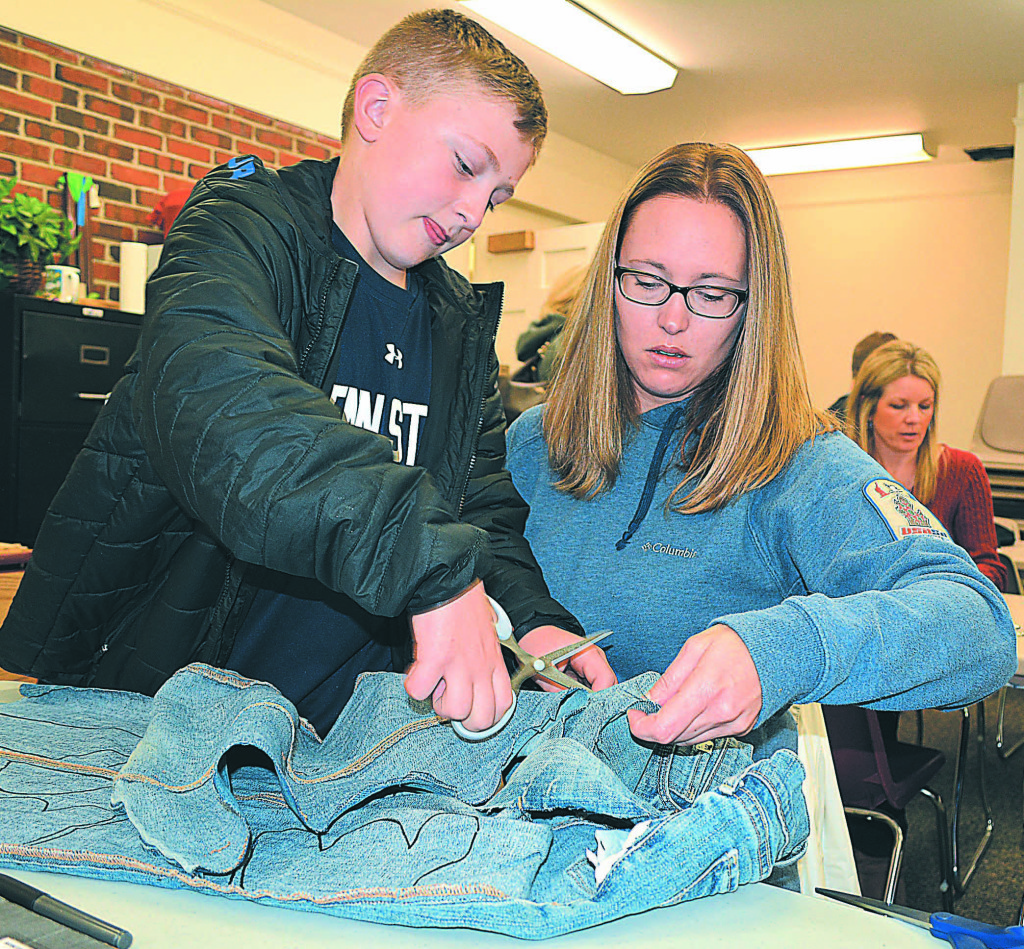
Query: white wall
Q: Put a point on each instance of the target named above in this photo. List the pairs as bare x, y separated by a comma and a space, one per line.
917, 250
475, 263
1013, 343
242, 51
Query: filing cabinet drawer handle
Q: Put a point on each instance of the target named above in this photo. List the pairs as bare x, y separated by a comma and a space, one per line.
94, 355
92, 396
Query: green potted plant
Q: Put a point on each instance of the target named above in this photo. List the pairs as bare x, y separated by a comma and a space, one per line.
32, 235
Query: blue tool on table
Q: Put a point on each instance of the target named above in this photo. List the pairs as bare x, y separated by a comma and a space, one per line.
529, 666
961, 932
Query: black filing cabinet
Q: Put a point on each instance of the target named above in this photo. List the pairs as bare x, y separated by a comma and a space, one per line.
58, 363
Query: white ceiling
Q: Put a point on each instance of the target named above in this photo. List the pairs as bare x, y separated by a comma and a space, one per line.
769, 72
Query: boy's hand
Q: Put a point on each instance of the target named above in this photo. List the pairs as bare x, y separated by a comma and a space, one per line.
711, 689
590, 665
458, 663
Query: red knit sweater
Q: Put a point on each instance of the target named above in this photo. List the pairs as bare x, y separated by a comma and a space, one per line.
963, 502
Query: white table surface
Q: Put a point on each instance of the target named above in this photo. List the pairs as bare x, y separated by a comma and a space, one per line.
757, 916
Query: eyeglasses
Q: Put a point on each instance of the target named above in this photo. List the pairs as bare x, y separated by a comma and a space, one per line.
716, 303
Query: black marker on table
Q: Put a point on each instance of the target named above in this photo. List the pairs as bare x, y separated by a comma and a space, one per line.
45, 905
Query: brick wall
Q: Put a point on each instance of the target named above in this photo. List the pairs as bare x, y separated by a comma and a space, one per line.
136, 136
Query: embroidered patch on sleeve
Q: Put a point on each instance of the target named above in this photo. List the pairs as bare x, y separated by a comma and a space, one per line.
903, 514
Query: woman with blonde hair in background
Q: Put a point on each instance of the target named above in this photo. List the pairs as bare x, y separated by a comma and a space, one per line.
892, 413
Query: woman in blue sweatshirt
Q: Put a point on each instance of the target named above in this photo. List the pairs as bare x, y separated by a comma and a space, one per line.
684, 492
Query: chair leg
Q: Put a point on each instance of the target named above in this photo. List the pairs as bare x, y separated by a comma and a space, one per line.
962, 879
947, 880
920, 727
1004, 753
896, 860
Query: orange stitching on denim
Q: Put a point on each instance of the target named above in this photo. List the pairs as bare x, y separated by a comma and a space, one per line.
231, 678
226, 676
352, 768
57, 765
174, 788
375, 752
75, 857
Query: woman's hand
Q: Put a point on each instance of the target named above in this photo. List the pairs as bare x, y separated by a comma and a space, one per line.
710, 690
590, 665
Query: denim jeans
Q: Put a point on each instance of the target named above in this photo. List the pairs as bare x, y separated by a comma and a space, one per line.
216, 784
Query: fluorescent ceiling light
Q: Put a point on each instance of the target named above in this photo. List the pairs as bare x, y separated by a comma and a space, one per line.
577, 37
828, 156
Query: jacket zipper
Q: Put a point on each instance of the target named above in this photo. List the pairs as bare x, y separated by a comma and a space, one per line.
322, 317
483, 402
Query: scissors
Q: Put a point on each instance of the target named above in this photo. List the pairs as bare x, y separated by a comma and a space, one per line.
528, 666
961, 932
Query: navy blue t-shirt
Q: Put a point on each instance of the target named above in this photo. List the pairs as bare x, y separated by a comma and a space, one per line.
309, 641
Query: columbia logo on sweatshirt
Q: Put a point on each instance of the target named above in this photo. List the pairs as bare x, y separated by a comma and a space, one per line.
660, 548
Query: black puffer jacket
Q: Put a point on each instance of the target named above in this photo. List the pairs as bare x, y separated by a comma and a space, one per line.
220, 448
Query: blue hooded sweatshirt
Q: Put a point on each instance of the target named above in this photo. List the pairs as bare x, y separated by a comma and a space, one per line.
844, 587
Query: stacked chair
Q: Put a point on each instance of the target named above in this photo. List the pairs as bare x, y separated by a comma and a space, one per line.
877, 780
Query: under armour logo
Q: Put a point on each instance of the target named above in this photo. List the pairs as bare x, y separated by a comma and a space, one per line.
394, 356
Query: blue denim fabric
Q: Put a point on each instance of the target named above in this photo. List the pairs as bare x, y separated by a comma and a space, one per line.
218, 785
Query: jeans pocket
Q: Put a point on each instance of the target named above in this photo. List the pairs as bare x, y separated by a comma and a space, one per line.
690, 772
581, 874
722, 876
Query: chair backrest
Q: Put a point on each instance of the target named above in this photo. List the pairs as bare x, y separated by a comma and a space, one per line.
1001, 421
1013, 581
856, 728
858, 732
1007, 531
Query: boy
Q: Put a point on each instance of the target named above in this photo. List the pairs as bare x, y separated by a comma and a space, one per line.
224, 510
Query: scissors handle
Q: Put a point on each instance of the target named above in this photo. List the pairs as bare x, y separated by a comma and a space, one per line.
502, 624
529, 665
970, 934
464, 732
503, 630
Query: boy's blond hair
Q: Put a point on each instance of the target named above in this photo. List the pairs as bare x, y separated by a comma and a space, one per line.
886, 365
440, 51
748, 418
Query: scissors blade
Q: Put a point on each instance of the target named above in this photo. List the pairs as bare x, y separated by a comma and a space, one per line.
569, 650
545, 666
914, 916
